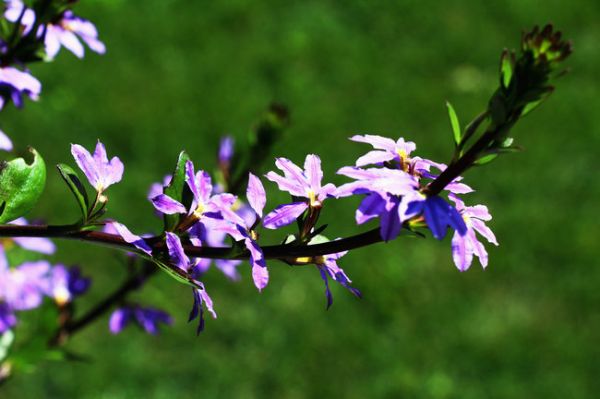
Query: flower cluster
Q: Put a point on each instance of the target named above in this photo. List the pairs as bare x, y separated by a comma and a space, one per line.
65, 30
207, 219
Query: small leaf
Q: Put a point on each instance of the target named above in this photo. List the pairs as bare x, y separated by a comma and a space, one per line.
176, 190
21, 185
534, 104
506, 68
454, 123
318, 239
174, 272
77, 188
486, 159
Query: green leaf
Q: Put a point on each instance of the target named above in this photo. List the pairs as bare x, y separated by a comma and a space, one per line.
21, 184
77, 188
454, 123
534, 104
506, 68
486, 159
176, 189
174, 272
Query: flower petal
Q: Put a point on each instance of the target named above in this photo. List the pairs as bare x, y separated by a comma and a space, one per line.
176, 251
375, 157
86, 163
256, 194
284, 215
314, 173
168, 205
131, 238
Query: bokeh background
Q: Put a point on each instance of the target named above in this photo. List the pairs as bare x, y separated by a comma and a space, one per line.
178, 74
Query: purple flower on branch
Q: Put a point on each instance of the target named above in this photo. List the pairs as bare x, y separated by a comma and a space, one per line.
467, 245
438, 215
303, 184
181, 260
147, 318
67, 283
14, 84
328, 268
241, 229
65, 31
386, 149
204, 203
100, 172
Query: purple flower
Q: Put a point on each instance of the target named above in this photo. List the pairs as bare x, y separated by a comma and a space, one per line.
388, 191
181, 260
328, 268
67, 283
14, 10
147, 318
100, 172
303, 184
204, 203
467, 245
7, 318
35, 244
24, 287
226, 150
65, 31
14, 84
386, 149
438, 215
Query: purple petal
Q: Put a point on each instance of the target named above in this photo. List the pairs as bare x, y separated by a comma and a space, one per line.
176, 251
226, 149
168, 205
479, 212
208, 302
370, 207
292, 172
390, 223
256, 194
87, 164
460, 254
375, 157
485, 231
190, 178
131, 238
314, 173
284, 184
204, 183
284, 215
260, 274
327, 290
229, 268
118, 320
70, 41
41, 245
378, 142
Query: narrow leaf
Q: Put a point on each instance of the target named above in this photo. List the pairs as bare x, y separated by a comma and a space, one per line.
506, 68
486, 159
176, 190
454, 123
77, 188
21, 184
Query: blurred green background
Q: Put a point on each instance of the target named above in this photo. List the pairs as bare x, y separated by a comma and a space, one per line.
178, 74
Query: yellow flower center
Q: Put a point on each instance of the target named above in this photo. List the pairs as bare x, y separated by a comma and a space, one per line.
314, 202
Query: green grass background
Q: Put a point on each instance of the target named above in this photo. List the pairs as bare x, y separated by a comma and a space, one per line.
178, 74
